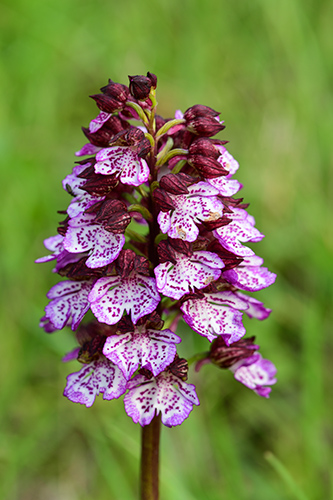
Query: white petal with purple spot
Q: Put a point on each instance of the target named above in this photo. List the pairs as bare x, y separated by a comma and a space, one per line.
83, 235
211, 316
255, 373
152, 349
98, 122
100, 376
136, 294
196, 271
122, 160
165, 394
200, 204
69, 303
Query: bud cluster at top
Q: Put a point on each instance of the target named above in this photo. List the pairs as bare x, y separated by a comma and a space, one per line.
153, 234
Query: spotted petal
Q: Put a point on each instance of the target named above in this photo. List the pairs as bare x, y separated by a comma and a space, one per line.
200, 204
241, 229
210, 316
256, 373
98, 122
83, 235
136, 294
249, 275
165, 394
100, 376
122, 160
152, 349
196, 271
69, 303
255, 309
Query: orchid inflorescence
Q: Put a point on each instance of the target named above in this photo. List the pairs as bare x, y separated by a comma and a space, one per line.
153, 234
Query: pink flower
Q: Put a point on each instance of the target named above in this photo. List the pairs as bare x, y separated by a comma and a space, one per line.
100, 376
200, 204
122, 160
165, 394
152, 349
135, 294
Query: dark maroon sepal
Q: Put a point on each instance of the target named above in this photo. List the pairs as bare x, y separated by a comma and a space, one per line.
205, 126
141, 265
207, 166
230, 259
181, 246
225, 356
128, 261
106, 208
143, 148
79, 271
214, 224
192, 295
146, 373
179, 368
204, 147
154, 321
167, 249
165, 252
163, 200
199, 110
125, 325
63, 226
153, 79
118, 222
91, 350
232, 202
134, 136
176, 183
116, 90
140, 86
100, 185
106, 103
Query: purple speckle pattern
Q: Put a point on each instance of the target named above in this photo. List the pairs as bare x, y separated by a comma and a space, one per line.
216, 314
98, 122
122, 160
255, 309
256, 373
241, 229
199, 270
165, 394
200, 204
152, 349
69, 303
249, 275
225, 184
99, 377
84, 236
82, 200
113, 295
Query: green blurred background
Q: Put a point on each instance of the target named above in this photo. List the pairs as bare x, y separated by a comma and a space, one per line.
267, 66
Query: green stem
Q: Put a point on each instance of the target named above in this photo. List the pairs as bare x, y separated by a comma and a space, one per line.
150, 459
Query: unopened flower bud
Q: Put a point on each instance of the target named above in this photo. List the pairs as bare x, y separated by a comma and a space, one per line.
175, 183
116, 90
225, 356
107, 103
204, 147
140, 86
163, 199
207, 166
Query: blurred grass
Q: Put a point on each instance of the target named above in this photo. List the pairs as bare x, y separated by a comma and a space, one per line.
267, 67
